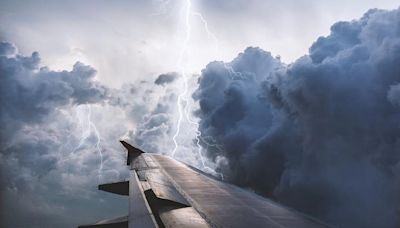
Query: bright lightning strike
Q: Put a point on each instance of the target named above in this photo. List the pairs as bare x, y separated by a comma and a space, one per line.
182, 95
183, 101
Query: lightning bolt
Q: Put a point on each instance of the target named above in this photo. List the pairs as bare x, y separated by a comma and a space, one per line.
98, 139
88, 128
232, 73
183, 103
182, 95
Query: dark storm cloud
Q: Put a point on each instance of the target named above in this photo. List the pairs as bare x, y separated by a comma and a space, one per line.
48, 175
7, 49
321, 135
231, 109
29, 93
166, 78
30, 96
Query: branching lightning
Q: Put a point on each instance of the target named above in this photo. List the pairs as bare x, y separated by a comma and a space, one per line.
98, 147
182, 96
88, 128
183, 100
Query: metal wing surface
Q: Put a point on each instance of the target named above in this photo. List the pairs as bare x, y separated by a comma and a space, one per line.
164, 192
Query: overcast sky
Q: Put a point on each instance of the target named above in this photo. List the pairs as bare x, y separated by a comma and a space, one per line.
130, 40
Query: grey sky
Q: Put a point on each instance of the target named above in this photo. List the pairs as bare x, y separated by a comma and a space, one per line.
127, 40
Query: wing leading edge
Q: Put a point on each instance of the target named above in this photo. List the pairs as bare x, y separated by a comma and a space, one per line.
164, 192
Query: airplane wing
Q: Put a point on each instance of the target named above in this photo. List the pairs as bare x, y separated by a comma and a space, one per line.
164, 192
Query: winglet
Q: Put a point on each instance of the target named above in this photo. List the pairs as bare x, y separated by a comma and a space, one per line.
133, 152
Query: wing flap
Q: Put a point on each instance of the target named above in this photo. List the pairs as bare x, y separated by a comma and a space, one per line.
162, 187
183, 217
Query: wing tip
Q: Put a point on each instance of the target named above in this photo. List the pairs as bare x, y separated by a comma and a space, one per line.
133, 152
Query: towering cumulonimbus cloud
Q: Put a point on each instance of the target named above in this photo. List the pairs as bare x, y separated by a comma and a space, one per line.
322, 134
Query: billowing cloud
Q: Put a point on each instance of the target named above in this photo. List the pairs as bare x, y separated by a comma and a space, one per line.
29, 92
59, 139
49, 162
231, 111
320, 135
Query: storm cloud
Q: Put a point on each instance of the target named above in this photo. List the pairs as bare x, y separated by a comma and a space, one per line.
29, 92
45, 176
320, 135
59, 139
